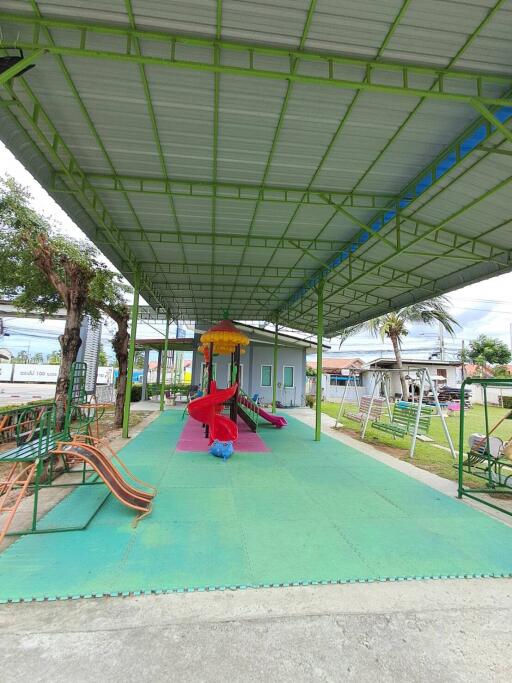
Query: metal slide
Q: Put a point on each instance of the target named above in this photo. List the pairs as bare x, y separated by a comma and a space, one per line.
132, 497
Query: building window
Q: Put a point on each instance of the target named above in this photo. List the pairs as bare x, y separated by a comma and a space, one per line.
341, 380
288, 376
266, 376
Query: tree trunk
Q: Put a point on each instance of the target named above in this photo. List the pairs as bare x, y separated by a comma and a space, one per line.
73, 289
398, 356
70, 343
120, 344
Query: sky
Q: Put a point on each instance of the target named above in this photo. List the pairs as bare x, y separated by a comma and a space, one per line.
482, 308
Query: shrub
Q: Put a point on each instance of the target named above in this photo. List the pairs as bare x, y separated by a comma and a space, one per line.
136, 393
310, 400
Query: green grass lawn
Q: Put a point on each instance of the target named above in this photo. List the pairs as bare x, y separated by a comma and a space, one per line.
426, 456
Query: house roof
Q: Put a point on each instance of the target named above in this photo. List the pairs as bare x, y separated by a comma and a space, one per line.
471, 369
180, 344
265, 336
334, 365
234, 155
416, 362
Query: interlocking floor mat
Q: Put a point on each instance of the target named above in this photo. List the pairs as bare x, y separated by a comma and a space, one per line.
304, 512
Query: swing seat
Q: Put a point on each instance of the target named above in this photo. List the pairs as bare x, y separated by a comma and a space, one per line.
366, 406
404, 420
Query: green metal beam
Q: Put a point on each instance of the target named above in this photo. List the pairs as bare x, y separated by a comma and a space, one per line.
88, 119
274, 366
131, 356
410, 189
164, 365
347, 114
496, 150
191, 237
319, 352
40, 125
17, 68
330, 67
356, 221
280, 122
435, 228
226, 269
185, 187
487, 114
152, 118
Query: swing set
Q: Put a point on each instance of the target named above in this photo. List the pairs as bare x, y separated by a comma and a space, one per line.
412, 418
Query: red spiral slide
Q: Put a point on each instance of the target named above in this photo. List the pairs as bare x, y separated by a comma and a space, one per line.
207, 411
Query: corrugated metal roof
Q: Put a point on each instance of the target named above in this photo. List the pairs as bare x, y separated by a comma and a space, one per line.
219, 186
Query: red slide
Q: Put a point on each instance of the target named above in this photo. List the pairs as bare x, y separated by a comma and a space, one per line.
276, 420
207, 408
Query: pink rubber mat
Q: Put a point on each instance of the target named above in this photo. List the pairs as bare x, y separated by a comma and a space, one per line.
192, 439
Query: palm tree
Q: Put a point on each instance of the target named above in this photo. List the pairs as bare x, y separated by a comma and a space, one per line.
394, 325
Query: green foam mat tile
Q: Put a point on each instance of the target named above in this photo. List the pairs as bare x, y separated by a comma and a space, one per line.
76, 509
306, 512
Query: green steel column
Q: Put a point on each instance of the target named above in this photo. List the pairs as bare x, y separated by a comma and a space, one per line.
164, 364
131, 355
274, 369
319, 337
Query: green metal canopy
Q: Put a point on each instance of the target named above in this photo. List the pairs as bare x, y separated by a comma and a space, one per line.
238, 155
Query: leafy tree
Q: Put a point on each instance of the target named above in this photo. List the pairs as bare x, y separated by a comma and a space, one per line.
138, 360
21, 357
310, 372
37, 358
501, 371
393, 326
483, 350
54, 358
102, 357
43, 271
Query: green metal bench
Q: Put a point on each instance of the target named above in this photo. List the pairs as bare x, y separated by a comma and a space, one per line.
404, 420
33, 465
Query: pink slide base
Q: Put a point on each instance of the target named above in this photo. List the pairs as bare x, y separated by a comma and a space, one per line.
192, 439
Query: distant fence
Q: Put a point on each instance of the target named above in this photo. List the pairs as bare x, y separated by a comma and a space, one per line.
493, 394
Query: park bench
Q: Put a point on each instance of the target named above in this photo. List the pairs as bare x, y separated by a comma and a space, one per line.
404, 420
367, 406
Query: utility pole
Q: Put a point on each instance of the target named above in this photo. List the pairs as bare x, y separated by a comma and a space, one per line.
441, 340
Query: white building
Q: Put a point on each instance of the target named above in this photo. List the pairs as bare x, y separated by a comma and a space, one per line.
445, 373
257, 365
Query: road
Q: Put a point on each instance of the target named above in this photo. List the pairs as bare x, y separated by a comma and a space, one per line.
20, 392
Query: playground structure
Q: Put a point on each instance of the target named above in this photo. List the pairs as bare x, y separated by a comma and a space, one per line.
38, 448
404, 417
483, 455
225, 339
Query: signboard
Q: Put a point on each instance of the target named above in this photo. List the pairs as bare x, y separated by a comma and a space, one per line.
105, 375
29, 372
5, 372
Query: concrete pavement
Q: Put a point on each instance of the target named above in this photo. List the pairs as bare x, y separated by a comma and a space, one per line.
424, 631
